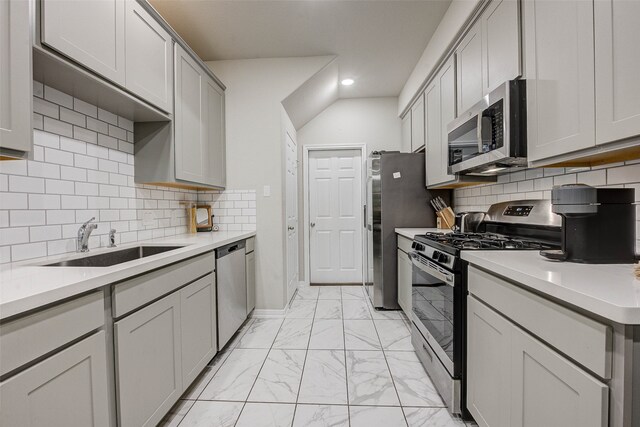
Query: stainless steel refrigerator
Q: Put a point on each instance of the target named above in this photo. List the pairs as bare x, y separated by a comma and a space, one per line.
396, 197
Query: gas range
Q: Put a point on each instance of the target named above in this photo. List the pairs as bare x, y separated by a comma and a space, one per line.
439, 285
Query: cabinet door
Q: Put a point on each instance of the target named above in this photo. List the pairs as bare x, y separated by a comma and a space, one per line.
433, 123
198, 325
89, 32
190, 152
469, 69
16, 85
405, 282
617, 37
149, 58
406, 133
214, 134
488, 365
251, 282
560, 77
500, 43
148, 362
548, 390
417, 124
66, 389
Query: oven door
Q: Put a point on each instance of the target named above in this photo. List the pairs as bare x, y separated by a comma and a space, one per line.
433, 308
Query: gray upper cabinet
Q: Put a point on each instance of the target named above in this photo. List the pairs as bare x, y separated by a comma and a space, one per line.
191, 151
617, 37
16, 134
199, 124
214, 133
417, 124
406, 133
501, 41
149, 57
67, 389
559, 58
440, 106
469, 68
91, 33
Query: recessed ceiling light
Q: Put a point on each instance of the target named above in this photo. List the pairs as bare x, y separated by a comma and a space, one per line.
347, 82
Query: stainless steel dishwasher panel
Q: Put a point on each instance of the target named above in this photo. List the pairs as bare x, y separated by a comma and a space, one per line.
231, 276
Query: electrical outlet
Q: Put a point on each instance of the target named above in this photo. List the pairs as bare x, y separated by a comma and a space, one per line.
266, 191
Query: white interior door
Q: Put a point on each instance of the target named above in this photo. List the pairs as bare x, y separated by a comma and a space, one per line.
292, 217
335, 216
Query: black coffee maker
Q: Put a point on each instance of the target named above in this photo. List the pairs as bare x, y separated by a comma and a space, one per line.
598, 224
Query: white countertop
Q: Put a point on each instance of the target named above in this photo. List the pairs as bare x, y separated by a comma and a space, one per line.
608, 290
410, 233
27, 285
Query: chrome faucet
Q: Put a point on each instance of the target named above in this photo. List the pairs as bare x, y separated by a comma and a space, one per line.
82, 242
112, 238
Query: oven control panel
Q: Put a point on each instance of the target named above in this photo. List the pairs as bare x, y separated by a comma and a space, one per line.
518, 210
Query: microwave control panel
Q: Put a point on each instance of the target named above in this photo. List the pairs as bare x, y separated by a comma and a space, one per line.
518, 210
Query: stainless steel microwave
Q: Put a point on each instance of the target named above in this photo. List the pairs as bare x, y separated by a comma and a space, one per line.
491, 137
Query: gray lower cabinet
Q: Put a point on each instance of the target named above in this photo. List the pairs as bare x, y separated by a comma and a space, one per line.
16, 87
67, 389
516, 380
148, 362
198, 324
405, 279
161, 349
251, 281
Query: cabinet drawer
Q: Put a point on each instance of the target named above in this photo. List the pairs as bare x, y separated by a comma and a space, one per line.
404, 244
129, 295
27, 338
250, 245
583, 339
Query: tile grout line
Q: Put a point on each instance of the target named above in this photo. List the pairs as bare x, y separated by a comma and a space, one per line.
393, 381
304, 363
346, 374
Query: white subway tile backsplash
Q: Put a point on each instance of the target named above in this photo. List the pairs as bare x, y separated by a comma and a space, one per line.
623, 175
594, 178
70, 116
72, 178
57, 127
85, 108
564, 179
56, 186
44, 201
24, 184
45, 232
19, 218
28, 251
57, 97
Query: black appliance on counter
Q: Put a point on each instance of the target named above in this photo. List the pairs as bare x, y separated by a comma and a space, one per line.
439, 289
598, 224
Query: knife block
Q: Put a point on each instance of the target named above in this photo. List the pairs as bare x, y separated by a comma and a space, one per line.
447, 218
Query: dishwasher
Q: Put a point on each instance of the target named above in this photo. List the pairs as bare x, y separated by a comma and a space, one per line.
231, 278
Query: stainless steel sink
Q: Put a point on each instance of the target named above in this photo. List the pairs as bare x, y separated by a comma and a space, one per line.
107, 259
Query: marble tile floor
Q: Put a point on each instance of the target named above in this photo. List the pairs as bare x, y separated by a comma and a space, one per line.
331, 361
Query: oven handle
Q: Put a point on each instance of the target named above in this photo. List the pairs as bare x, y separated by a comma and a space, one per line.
449, 279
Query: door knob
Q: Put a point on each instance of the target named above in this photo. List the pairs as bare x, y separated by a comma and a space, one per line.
313, 224
291, 228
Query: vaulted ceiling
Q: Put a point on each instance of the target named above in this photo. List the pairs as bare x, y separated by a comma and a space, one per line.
377, 42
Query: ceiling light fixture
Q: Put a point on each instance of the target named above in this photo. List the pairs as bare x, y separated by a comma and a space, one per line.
347, 82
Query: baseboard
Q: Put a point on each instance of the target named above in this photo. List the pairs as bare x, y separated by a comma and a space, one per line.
268, 313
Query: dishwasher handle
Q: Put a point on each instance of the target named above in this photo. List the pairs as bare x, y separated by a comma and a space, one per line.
229, 249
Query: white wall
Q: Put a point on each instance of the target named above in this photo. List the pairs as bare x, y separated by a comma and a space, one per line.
370, 121
255, 91
458, 13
